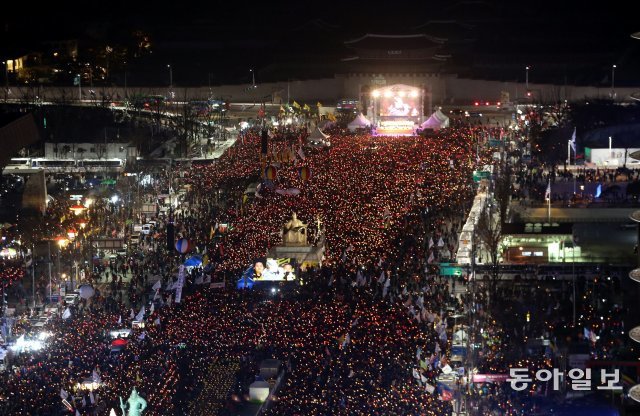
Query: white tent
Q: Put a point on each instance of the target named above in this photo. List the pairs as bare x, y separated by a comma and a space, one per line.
437, 121
317, 135
359, 123
325, 124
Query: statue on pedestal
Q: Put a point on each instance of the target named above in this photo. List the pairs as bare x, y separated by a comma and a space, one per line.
136, 404
294, 232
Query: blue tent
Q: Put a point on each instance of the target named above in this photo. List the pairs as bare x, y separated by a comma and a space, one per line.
193, 261
246, 281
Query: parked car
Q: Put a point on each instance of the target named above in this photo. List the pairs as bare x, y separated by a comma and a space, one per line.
71, 299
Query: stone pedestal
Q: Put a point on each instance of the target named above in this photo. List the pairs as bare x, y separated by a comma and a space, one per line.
305, 256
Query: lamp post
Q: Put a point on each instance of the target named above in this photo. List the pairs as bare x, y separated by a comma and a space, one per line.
170, 76
79, 87
33, 274
526, 77
49, 263
6, 80
613, 77
253, 78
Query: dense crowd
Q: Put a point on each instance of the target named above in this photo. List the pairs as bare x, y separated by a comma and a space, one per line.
367, 333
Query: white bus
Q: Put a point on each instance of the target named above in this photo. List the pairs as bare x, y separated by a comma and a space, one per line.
19, 163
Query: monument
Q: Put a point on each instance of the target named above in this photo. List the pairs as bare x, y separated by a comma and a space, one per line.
296, 245
294, 232
136, 404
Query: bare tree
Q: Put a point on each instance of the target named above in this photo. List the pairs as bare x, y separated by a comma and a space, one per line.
502, 193
489, 233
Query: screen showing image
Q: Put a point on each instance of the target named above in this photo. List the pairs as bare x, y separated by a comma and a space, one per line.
274, 269
399, 104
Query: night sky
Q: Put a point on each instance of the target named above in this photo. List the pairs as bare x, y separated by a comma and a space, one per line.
572, 42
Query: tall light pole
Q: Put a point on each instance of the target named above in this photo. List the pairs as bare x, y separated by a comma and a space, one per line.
613, 77
526, 77
6, 80
253, 78
79, 87
610, 152
49, 262
170, 75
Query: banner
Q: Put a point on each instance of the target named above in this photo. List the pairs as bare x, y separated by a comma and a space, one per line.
180, 283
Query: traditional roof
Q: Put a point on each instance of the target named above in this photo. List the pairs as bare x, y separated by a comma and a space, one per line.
377, 41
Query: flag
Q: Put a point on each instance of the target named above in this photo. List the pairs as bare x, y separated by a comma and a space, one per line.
78, 413
296, 105
156, 285
120, 320
66, 314
416, 374
429, 388
306, 108
92, 398
431, 258
301, 153
140, 315
444, 391
590, 335
152, 308
547, 194
573, 141
63, 393
318, 104
440, 242
212, 233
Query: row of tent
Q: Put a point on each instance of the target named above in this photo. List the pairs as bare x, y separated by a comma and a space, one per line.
438, 120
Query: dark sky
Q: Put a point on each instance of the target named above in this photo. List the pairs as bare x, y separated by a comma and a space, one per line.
559, 39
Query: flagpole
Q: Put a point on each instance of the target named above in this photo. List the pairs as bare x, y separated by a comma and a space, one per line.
548, 195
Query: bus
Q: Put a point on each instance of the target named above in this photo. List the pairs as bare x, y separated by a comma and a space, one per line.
53, 163
146, 102
205, 108
101, 163
19, 163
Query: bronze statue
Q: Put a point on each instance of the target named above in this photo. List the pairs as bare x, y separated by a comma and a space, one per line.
294, 232
136, 404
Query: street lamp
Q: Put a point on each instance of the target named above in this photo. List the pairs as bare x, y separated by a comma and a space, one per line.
526, 80
613, 77
253, 78
6, 80
170, 75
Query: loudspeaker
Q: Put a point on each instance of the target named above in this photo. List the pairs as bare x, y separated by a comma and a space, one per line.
265, 142
171, 236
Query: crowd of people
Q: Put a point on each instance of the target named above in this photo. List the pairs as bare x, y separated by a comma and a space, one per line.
367, 333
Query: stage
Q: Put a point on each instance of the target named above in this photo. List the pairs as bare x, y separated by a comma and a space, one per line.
396, 110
